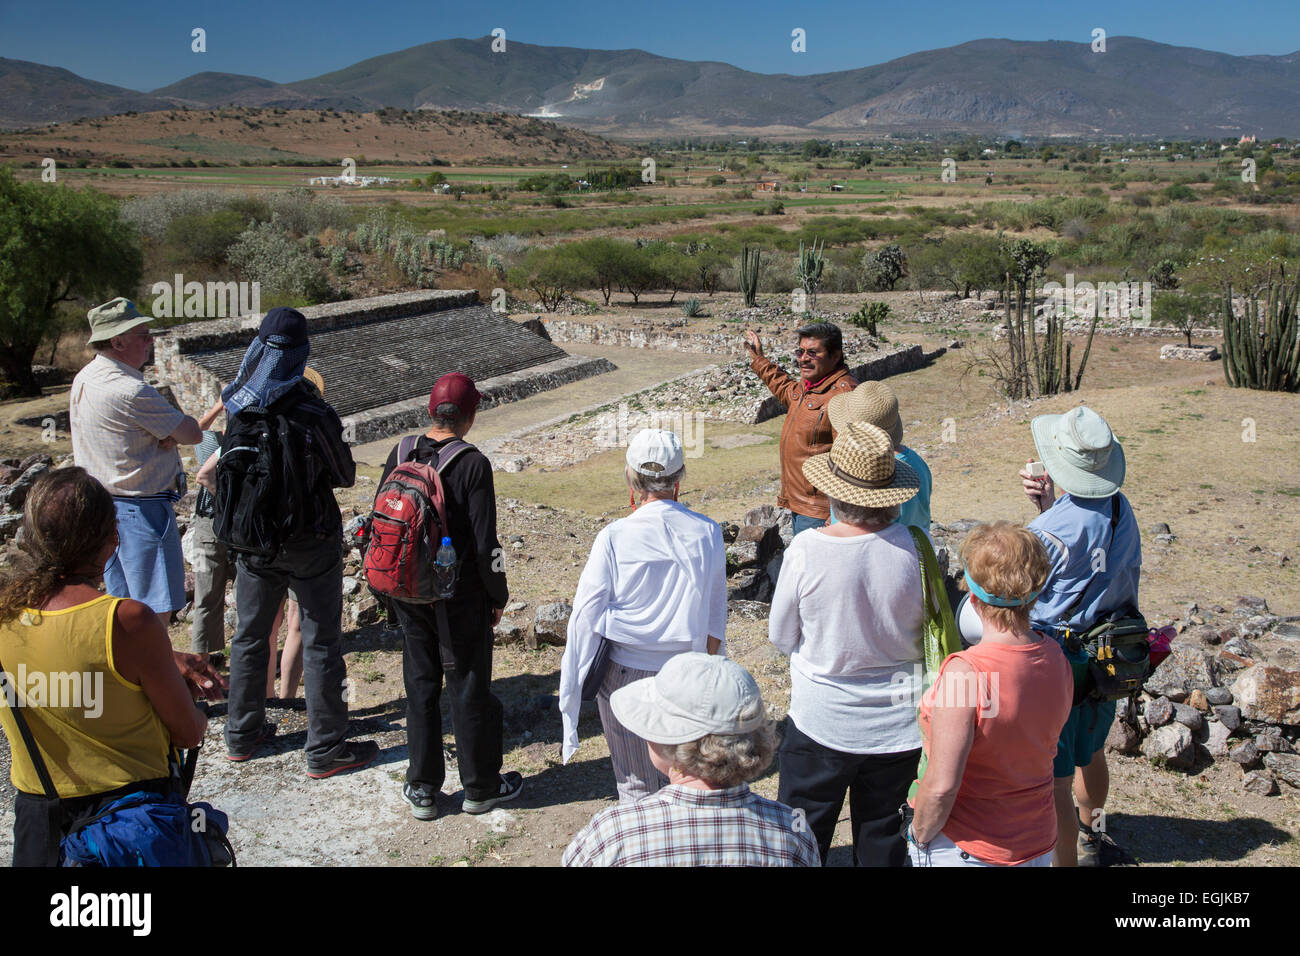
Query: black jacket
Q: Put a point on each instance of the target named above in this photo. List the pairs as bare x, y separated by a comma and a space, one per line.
471, 520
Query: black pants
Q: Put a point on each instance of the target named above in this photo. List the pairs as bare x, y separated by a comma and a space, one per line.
40, 824
814, 779
465, 659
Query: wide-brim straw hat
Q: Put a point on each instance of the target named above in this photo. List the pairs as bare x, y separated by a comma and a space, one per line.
1081, 453
860, 469
872, 402
315, 377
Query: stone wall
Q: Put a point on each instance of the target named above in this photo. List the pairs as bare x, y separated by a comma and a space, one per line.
380, 356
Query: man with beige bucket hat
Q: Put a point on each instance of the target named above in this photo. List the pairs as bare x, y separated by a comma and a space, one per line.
124, 433
1092, 538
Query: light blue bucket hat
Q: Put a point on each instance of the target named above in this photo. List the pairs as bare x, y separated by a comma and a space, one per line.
1082, 455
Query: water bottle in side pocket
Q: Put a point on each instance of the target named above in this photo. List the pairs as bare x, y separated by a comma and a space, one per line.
444, 569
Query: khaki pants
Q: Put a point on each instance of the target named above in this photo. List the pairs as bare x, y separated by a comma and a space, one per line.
212, 569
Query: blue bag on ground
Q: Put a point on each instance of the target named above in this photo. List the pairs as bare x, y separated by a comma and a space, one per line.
149, 829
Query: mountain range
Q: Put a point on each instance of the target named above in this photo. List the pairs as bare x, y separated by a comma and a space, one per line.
994, 87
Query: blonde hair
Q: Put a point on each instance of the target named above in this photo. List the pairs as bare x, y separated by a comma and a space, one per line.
1008, 560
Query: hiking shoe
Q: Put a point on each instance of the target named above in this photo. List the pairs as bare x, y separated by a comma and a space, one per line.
263, 735
356, 753
512, 784
1098, 849
423, 801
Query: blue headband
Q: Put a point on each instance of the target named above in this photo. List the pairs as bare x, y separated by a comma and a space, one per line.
993, 599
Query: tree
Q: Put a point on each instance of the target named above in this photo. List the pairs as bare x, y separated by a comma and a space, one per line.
56, 245
885, 266
1183, 311
552, 274
639, 271
979, 264
1027, 261
676, 271
1164, 275
604, 257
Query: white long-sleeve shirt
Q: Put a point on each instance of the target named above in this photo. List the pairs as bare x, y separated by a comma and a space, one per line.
655, 585
848, 613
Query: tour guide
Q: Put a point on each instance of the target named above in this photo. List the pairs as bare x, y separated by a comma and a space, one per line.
807, 429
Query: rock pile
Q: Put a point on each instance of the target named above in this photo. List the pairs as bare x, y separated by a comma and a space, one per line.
1228, 691
16, 479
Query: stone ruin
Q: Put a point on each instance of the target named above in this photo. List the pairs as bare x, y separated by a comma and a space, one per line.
380, 356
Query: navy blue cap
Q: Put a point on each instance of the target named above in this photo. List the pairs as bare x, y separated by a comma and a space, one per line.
288, 328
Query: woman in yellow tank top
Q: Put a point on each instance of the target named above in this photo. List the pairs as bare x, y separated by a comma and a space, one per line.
103, 694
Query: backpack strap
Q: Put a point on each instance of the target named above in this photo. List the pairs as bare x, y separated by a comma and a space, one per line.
406, 447
449, 452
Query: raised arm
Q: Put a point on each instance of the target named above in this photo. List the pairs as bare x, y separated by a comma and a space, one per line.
779, 383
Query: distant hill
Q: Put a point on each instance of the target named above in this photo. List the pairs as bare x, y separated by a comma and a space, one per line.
260, 135
31, 93
1034, 88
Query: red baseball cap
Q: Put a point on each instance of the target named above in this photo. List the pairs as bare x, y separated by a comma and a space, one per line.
457, 389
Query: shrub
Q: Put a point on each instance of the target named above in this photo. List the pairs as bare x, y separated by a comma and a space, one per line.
693, 308
870, 316
285, 269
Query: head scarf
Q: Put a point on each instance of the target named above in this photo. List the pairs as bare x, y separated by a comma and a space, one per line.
273, 363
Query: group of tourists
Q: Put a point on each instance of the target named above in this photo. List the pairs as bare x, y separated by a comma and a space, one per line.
980, 761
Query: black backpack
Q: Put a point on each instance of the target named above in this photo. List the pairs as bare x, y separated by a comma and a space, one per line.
267, 482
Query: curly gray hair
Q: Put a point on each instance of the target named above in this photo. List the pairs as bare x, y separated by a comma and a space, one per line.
724, 760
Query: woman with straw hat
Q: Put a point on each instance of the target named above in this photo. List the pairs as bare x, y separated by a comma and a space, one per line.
848, 611
876, 404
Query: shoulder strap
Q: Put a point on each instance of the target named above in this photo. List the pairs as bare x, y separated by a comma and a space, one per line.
406, 447
33, 752
449, 452
1114, 522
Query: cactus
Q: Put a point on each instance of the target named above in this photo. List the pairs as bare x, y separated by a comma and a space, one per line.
1029, 368
692, 308
809, 271
750, 266
1262, 349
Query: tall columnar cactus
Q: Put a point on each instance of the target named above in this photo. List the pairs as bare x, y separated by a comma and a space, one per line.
1262, 349
1032, 369
750, 266
811, 264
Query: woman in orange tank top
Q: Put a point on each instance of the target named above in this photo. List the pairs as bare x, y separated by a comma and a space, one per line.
101, 690
992, 720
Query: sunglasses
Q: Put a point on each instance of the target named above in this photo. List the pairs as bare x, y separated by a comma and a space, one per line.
811, 353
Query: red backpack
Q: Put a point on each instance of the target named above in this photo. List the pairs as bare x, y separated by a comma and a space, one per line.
407, 525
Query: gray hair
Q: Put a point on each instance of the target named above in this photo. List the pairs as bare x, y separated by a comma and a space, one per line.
724, 760
658, 485
861, 514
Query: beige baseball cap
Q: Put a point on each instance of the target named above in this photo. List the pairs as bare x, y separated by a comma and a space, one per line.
114, 318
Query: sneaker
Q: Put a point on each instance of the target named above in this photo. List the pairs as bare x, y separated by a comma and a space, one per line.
356, 753
1098, 849
423, 801
263, 735
512, 784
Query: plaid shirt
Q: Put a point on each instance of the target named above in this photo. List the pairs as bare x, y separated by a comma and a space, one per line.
117, 421
682, 826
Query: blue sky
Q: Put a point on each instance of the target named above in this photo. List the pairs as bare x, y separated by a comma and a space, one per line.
145, 45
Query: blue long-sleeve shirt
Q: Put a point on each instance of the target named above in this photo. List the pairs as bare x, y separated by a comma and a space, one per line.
1085, 559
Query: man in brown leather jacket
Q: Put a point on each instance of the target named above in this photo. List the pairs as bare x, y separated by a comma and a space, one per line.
807, 430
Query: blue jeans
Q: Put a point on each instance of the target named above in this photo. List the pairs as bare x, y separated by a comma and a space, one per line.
803, 522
